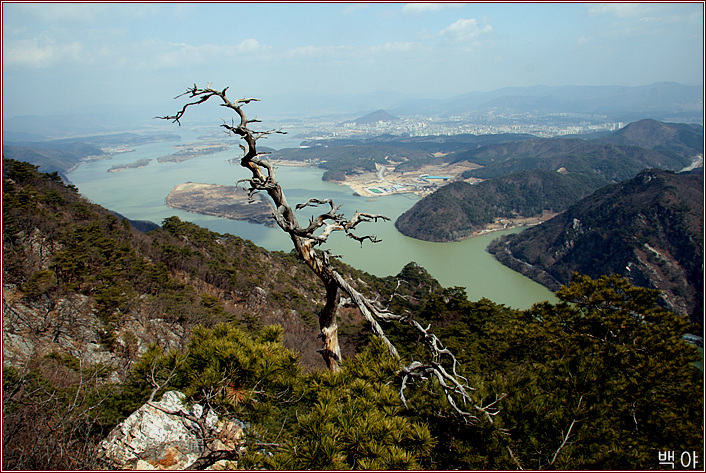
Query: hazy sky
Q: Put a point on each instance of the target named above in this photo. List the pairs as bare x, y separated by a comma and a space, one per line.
77, 57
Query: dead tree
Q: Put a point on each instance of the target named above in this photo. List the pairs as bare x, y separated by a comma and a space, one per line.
307, 239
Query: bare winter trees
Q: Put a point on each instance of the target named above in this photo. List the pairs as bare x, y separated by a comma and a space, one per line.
307, 238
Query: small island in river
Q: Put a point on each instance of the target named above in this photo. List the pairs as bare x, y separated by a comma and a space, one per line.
220, 201
137, 164
193, 150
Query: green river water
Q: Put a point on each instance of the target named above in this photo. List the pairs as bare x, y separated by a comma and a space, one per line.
139, 194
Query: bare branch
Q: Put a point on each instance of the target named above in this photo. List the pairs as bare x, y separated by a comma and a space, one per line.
512, 455
566, 437
153, 375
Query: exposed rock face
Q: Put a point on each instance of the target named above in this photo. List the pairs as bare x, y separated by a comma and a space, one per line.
258, 296
156, 438
40, 326
37, 327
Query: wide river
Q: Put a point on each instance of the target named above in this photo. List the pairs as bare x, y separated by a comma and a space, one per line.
139, 194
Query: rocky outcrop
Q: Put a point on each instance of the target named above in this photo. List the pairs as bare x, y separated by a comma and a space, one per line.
167, 435
42, 325
504, 255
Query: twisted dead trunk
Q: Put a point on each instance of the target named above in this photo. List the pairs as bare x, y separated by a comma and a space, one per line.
305, 242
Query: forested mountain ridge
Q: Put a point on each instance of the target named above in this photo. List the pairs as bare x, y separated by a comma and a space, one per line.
610, 161
85, 294
648, 229
686, 140
620, 155
458, 210
56, 245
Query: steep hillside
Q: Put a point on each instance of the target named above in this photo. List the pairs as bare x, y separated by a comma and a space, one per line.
77, 278
459, 209
648, 229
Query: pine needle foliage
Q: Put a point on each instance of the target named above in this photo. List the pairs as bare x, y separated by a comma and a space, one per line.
355, 421
602, 380
351, 419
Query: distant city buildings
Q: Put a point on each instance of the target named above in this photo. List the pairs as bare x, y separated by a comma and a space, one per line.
544, 126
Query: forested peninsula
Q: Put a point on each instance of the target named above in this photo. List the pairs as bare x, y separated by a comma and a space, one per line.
460, 210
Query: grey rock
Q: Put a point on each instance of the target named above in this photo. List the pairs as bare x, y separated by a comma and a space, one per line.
258, 297
153, 437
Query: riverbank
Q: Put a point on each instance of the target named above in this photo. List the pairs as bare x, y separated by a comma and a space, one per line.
510, 223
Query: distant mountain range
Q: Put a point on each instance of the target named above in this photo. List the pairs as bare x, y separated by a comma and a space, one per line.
648, 229
666, 101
